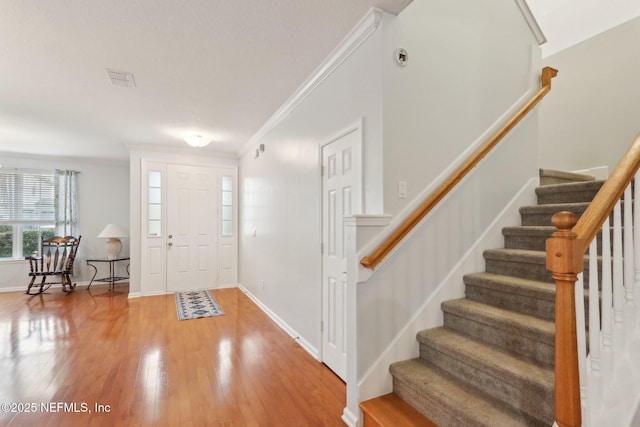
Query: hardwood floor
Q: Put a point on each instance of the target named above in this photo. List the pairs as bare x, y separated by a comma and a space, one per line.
147, 368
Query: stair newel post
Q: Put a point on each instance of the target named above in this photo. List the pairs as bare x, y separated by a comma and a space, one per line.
565, 261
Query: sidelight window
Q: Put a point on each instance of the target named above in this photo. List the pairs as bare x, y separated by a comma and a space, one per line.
227, 206
154, 217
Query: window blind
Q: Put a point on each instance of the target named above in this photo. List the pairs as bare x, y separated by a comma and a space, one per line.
26, 197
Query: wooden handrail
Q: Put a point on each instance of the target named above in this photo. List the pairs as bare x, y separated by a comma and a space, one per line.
432, 201
602, 205
565, 259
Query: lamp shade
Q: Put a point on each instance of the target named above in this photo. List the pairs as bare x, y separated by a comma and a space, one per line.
111, 231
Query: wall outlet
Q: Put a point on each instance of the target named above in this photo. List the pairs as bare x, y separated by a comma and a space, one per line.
262, 284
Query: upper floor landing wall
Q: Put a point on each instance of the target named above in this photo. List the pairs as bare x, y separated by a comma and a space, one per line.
469, 62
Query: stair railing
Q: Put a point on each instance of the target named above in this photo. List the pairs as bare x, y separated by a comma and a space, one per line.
578, 378
371, 261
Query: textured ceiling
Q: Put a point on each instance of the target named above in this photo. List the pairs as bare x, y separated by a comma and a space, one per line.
219, 68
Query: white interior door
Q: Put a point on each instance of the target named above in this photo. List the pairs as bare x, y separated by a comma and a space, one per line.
340, 198
191, 228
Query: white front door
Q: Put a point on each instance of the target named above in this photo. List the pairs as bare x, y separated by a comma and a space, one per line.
340, 198
191, 228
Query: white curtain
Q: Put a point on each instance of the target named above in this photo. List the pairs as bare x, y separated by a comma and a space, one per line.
66, 203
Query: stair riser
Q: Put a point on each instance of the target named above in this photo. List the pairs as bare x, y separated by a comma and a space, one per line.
538, 218
439, 411
535, 243
542, 308
546, 197
447, 402
552, 176
527, 270
432, 406
523, 396
557, 180
519, 269
541, 218
508, 337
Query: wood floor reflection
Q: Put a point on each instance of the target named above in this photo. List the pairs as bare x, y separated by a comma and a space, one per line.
96, 358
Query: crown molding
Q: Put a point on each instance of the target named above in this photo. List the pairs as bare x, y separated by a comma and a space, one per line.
63, 159
531, 20
186, 150
363, 29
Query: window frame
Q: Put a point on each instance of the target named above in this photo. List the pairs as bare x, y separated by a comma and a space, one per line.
18, 223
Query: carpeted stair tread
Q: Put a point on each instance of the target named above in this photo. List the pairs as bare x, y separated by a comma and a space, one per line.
509, 377
514, 293
532, 230
531, 326
540, 215
527, 335
524, 263
521, 255
568, 193
552, 176
525, 287
524, 296
448, 401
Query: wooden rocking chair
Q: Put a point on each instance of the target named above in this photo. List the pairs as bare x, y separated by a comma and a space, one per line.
56, 259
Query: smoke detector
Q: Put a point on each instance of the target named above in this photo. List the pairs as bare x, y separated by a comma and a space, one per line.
121, 78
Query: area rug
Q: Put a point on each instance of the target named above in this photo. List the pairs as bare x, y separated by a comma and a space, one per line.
196, 304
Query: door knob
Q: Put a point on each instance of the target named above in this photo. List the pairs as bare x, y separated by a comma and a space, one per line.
169, 244
171, 236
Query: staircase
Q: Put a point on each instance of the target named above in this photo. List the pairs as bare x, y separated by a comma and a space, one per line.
491, 364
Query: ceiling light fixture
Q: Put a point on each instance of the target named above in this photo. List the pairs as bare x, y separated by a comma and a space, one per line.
196, 141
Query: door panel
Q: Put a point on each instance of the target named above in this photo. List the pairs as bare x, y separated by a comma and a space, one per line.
341, 198
191, 228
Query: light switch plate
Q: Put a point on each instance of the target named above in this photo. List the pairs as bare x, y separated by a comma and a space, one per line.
402, 189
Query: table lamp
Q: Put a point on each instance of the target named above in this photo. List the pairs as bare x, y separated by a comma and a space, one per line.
113, 232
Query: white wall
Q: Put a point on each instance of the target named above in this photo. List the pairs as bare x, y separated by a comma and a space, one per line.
103, 197
280, 190
591, 116
465, 69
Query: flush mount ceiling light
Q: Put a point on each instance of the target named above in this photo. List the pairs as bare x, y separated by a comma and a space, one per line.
196, 141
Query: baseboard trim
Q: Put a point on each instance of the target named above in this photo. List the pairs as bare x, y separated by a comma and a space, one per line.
282, 324
14, 289
24, 288
600, 172
349, 418
165, 292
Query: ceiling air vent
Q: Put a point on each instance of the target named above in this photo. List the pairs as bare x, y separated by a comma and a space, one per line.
121, 78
